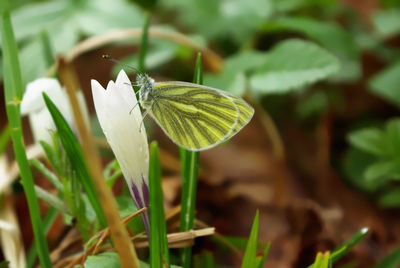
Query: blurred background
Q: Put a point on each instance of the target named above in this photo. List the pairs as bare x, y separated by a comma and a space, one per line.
321, 157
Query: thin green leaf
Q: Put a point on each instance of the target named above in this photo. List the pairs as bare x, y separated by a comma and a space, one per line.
75, 155
205, 259
190, 165
5, 137
144, 43
344, 248
292, 65
158, 235
390, 261
47, 49
51, 156
249, 259
13, 88
264, 256
322, 260
52, 200
48, 221
48, 174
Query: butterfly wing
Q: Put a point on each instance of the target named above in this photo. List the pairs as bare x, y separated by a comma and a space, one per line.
197, 117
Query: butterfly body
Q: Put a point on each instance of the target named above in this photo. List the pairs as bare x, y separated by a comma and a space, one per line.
195, 117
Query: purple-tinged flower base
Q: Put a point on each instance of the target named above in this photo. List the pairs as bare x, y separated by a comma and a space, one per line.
142, 202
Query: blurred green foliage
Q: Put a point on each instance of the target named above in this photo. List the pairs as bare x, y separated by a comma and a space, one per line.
305, 50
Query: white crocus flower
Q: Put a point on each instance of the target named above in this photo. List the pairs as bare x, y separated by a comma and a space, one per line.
121, 125
39, 117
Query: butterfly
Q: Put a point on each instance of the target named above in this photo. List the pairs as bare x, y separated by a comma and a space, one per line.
193, 116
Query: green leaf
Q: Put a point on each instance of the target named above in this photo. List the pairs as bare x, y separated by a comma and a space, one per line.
144, 43
5, 138
110, 260
65, 22
387, 22
322, 260
386, 84
382, 170
13, 90
103, 260
189, 169
48, 174
245, 61
390, 199
331, 36
393, 137
205, 259
354, 165
293, 64
369, 140
158, 53
51, 156
76, 158
232, 78
390, 261
48, 221
158, 235
313, 104
234, 83
344, 248
249, 259
219, 19
52, 200
261, 261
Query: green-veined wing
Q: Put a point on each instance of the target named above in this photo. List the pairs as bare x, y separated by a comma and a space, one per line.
198, 117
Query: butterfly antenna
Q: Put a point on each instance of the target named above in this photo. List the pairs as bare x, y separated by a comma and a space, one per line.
107, 57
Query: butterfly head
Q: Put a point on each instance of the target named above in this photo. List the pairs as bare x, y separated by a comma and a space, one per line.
146, 84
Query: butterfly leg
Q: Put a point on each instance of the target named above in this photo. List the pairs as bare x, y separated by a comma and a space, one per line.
144, 116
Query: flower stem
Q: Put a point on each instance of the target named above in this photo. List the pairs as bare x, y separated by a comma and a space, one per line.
119, 234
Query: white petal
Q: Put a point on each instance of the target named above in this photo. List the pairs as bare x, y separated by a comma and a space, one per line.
33, 99
121, 127
41, 123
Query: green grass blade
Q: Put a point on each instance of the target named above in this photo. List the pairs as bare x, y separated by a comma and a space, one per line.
158, 245
48, 220
322, 260
5, 137
390, 261
52, 155
190, 165
249, 259
264, 256
52, 200
75, 155
344, 248
48, 174
155, 232
13, 87
46, 48
144, 43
